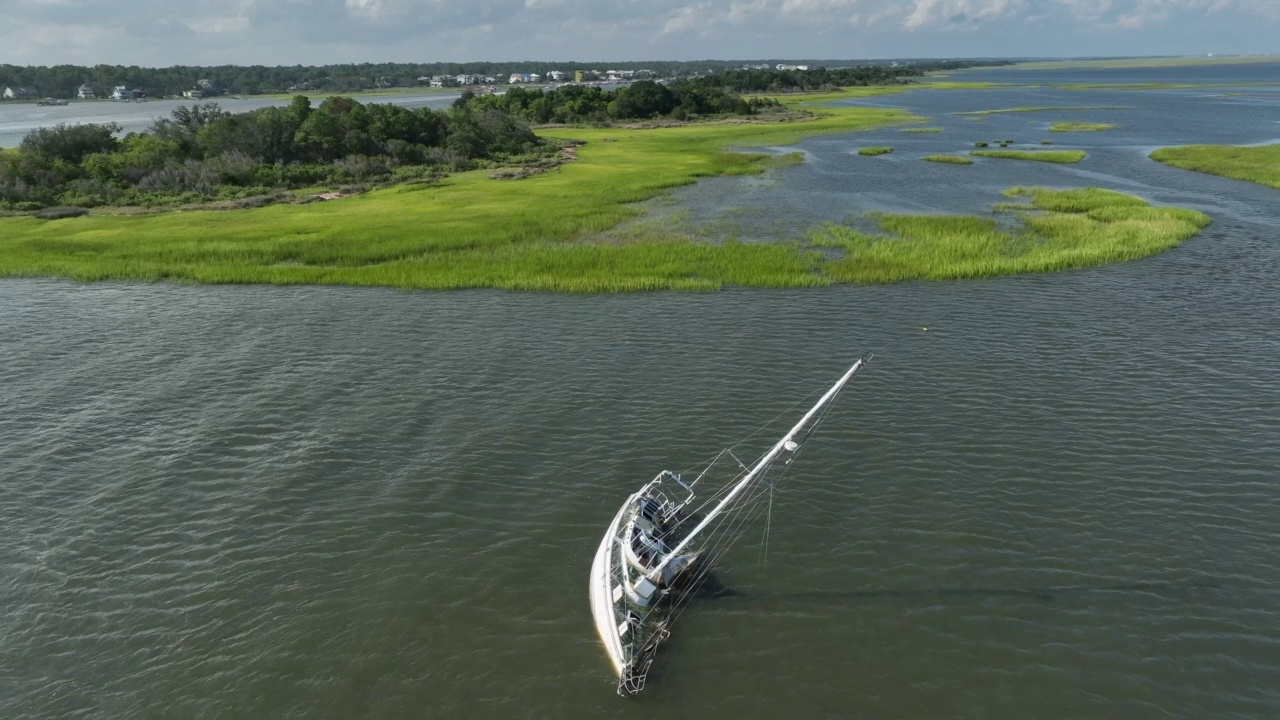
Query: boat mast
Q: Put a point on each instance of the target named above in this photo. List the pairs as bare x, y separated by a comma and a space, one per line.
759, 466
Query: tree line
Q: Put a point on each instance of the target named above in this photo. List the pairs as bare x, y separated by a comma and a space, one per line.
783, 81
202, 152
642, 100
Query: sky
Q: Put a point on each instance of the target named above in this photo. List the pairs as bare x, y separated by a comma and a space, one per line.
159, 33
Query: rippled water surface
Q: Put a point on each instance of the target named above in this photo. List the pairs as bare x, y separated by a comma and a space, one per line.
1060, 500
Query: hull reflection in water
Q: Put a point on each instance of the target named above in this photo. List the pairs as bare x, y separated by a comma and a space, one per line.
656, 552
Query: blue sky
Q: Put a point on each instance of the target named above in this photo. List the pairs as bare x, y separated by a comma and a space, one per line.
206, 32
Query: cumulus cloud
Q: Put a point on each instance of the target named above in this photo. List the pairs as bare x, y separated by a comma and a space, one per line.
316, 31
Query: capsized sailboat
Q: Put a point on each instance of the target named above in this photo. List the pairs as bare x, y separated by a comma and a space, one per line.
664, 541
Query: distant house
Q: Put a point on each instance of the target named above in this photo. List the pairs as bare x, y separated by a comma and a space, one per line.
16, 93
557, 75
86, 93
121, 92
193, 94
206, 85
515, 78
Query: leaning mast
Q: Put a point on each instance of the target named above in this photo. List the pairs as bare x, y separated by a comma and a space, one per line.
786, 443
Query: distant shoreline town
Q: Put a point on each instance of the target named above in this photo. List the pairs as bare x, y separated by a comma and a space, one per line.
131, 83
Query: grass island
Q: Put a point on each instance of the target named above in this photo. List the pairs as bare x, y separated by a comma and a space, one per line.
1060, 230
1050, 156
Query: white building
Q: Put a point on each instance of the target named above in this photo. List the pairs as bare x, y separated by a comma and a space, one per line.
121, 92
16, 93
557, 75
192, 94
86, 93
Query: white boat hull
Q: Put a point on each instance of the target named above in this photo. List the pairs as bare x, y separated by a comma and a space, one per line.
601, 592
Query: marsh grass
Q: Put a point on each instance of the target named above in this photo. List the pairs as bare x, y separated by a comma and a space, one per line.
949, 159
923, 130
871, 151
1050, 156
1063, 127
1258, 164
1060, 230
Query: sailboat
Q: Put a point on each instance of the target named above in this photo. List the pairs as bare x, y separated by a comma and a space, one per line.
663, 542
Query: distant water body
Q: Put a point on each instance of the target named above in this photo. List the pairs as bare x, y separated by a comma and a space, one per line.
1060, 500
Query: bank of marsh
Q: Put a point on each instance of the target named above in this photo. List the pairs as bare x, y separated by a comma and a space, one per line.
1259, 164
872, 151
949, 159
923, 130
539, 233
1050, 156
1060, 230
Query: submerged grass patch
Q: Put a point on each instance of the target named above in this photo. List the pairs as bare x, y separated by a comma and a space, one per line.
1043, 109
1061, 230
1259, 164
783, 160
875, 150
950, 159
1079, 127
923, 130
1051, 156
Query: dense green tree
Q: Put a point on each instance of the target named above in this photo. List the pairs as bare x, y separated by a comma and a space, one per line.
644, 99
70, 143
202, 152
